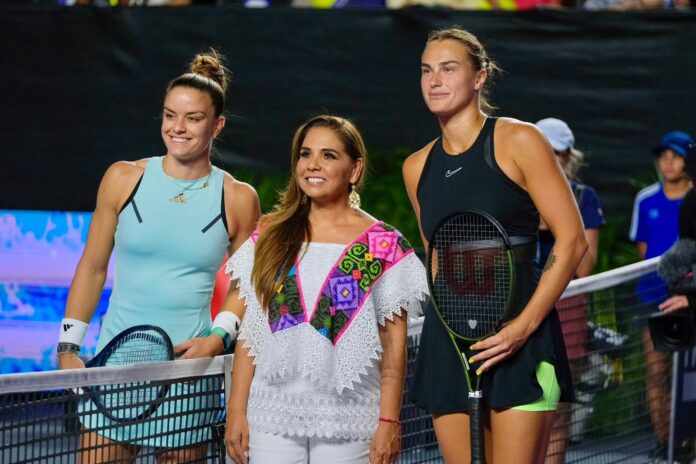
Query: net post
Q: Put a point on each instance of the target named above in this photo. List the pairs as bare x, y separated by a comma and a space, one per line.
227, 368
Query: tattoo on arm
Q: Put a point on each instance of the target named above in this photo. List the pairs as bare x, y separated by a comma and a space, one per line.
550, 262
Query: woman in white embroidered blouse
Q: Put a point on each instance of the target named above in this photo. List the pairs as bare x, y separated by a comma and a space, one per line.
319, 372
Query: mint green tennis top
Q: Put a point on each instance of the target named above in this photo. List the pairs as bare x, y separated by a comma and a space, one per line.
167, 255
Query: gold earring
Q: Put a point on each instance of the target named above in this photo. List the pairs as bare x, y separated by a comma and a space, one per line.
353, 198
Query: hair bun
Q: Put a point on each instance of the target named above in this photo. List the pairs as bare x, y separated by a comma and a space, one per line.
210, 64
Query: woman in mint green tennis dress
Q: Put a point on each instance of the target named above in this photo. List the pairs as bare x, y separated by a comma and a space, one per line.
169, 221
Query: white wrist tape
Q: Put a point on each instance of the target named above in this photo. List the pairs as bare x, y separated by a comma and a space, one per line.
72, 331
229, 322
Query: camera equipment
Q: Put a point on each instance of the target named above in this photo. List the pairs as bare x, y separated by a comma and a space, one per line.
676, 331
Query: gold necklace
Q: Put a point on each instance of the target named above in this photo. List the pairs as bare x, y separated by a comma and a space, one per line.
181, 197
472, 137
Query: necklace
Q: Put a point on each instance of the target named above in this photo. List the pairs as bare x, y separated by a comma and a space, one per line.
472, 137
182, 197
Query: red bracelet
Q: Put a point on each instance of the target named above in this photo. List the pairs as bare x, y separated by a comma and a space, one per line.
390, 421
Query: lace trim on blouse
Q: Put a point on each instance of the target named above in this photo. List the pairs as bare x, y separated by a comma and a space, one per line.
315, 414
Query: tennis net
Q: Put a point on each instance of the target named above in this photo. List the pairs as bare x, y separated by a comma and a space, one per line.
603, 317
63, 416
43, 415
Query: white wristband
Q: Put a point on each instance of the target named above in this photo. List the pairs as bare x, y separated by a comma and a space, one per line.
229, 322
72, 331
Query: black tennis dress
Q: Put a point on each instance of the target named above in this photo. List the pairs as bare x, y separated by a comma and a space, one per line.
473, 181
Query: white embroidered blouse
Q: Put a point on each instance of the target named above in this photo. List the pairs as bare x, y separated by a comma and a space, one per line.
305, 384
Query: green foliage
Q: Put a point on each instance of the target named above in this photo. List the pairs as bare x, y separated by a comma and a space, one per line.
267, 186
614, 249
623, 402
384, 194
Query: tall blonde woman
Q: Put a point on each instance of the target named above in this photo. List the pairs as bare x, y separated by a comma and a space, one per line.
507, 169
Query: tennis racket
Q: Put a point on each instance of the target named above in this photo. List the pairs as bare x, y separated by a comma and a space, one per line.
471, 275
132, 401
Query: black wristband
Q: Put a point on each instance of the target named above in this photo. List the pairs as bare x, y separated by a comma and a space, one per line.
64, 347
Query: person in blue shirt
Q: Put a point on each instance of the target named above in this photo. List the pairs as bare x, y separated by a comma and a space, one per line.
571, 311
654, 228
562, 140
654, 225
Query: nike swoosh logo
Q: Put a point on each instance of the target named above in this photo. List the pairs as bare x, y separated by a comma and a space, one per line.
451, 173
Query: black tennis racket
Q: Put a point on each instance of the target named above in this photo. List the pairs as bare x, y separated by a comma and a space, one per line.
471, 275
132, 401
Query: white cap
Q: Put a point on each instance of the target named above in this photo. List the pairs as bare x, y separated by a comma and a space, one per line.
557, 132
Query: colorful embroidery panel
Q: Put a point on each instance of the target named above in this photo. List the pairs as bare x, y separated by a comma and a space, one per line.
285, 309
347, 286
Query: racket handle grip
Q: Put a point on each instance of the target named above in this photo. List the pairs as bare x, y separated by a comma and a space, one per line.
478, 447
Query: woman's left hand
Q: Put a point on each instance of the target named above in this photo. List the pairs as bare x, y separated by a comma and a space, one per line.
386, 444
200, 347
500, 346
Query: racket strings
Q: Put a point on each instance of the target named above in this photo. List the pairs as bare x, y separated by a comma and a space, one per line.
471, 274
139, 348
129, 401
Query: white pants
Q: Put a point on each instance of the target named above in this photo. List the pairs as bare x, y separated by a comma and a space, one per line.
267, 448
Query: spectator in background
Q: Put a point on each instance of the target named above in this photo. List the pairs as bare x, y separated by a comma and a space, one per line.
654, 228
562, 141
572, 311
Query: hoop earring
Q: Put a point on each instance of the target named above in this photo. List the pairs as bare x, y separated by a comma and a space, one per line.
353, 198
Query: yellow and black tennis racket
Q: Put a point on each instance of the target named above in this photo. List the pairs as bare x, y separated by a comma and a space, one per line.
471, 275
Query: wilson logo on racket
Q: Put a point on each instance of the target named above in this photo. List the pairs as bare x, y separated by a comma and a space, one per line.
470, 272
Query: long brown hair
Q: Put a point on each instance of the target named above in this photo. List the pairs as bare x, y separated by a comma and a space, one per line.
286, 227
477, 55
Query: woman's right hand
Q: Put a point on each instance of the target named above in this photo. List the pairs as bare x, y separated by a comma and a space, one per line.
237, 438
70, 361
674, 303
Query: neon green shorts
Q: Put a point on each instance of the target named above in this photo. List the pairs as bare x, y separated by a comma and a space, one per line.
546, 376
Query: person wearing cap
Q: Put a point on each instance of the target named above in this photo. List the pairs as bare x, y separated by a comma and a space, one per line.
562, 140
654, 229
571, 311
654, 225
